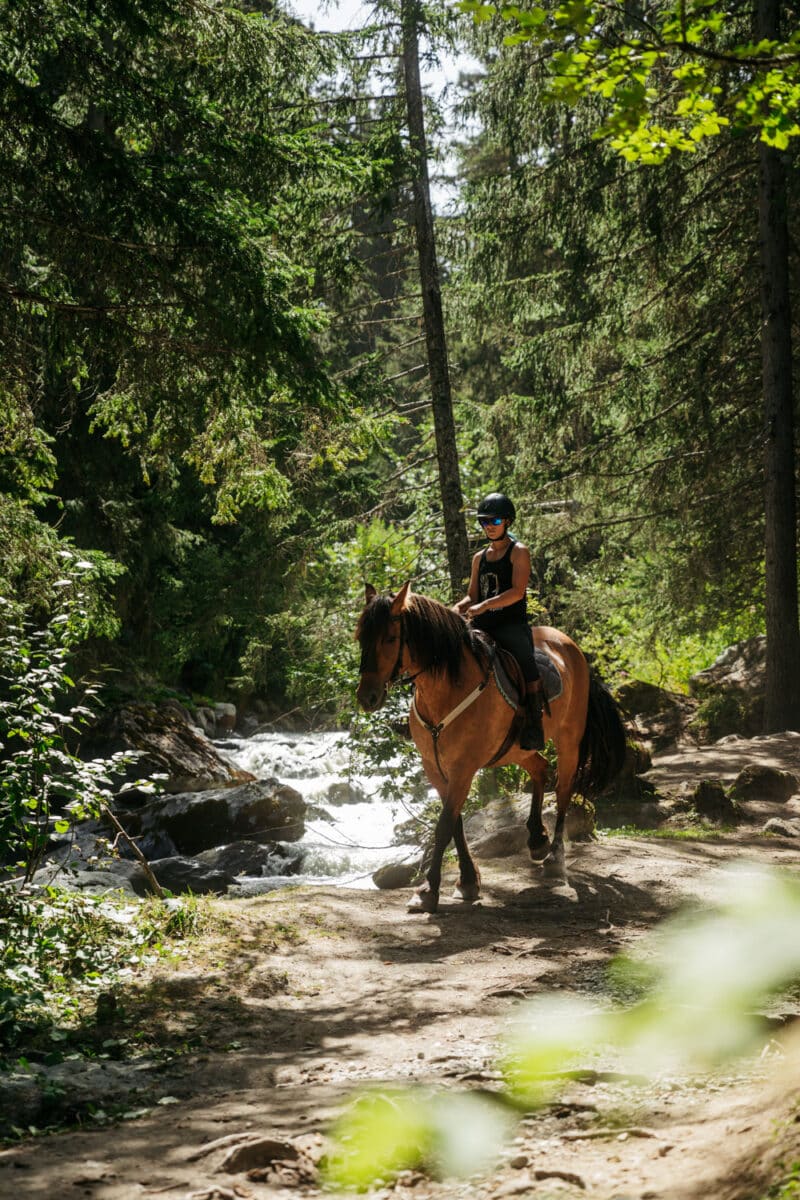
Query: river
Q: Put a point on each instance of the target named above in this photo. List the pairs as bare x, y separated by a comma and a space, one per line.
350, 823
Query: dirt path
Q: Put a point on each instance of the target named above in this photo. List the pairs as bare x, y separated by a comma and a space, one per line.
304, 997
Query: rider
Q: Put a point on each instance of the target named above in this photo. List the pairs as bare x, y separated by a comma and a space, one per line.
496, 603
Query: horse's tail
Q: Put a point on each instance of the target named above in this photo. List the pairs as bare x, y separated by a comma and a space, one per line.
602, 750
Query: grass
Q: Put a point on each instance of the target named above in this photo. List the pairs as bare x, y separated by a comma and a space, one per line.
697, 833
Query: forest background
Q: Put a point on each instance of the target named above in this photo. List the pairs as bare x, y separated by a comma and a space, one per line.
215, 388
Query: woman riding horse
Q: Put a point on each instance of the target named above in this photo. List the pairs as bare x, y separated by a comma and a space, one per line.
496, 602
461, 720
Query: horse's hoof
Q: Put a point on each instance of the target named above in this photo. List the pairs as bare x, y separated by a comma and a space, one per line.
539, 849
424, 901
554, 867
468, 892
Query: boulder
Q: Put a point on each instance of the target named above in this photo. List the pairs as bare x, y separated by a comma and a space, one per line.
759, 782
95, 882
780, 827
710, 800
204, 717
342, 792
262, 811
502, 842
252, 858
181, 874
395, 875
655, 716
741, 666
500, 830
225, 717
731, 692
165, 745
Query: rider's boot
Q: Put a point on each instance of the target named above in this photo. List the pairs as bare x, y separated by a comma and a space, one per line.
531, 735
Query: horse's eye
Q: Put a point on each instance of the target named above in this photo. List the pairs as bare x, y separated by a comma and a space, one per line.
392, 641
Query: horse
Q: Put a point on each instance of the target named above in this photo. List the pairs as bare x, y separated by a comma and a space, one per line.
461, 721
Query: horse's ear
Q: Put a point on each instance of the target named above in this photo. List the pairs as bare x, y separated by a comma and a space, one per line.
400, 601
370, 593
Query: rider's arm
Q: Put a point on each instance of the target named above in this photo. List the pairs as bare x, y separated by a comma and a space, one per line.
521, 570
473, 593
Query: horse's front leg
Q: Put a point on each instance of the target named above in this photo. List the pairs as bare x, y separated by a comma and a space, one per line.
448, 826
426, 898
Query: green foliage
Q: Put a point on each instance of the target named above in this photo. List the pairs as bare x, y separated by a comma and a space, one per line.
59, 951
175, 211
446, 1134
666, 81
44, 785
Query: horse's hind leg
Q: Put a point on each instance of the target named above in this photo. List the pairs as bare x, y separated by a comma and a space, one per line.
538, 841
554, 865
469, 883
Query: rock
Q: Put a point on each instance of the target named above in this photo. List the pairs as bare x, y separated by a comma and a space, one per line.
181, 874
782, 827
225, 717
252, 858
395, 875
758, 782
501, 843
655, 716
155, 844
262, 811
579, 824
742, 666
732, 691
166, 745
97, 882
258, 1152
709, 799
643, 814
342, 792
205, 718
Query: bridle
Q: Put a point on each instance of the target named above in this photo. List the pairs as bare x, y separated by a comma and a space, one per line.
398, 675
369, 659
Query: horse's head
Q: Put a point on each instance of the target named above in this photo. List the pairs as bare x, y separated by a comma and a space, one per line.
379, 633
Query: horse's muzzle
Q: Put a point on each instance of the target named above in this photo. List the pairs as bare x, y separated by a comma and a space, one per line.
371, 694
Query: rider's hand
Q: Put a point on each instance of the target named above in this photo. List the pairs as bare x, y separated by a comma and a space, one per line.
475, 610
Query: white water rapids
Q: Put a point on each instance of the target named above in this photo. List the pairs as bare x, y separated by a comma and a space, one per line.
349, 825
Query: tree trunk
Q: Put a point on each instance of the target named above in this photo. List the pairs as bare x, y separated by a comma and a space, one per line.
782, 701
458, 558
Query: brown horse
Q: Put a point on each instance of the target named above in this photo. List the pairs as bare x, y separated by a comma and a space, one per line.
461, 721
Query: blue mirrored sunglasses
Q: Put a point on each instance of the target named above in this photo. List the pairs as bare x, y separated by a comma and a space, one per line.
491, 520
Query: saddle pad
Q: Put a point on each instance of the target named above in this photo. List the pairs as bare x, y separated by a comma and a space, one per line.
551, 680
508, 681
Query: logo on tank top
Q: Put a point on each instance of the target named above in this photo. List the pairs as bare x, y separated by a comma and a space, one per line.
489, 585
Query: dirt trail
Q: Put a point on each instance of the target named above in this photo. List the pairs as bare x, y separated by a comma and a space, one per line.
313, 994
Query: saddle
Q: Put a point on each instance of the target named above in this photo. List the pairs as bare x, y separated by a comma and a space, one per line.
508, 674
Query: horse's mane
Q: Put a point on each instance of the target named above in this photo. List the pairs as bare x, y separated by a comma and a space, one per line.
437, 638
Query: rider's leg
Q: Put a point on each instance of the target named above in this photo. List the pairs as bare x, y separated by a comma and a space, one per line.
519, 640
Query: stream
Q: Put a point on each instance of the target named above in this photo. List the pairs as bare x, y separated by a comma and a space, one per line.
349, 825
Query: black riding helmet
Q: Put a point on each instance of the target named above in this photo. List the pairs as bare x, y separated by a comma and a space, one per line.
497, 505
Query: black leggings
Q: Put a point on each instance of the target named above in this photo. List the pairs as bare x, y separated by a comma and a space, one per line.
518, 638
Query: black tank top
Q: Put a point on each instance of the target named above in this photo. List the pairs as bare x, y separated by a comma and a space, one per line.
494, 578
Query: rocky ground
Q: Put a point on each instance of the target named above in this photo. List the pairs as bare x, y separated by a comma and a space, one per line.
296, 1000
